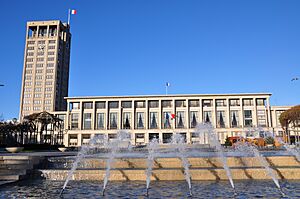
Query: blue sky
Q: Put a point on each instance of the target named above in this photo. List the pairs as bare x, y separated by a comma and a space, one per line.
132, 47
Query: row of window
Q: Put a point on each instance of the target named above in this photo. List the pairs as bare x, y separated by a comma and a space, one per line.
166, 103
40, 59
36, 108
179, 117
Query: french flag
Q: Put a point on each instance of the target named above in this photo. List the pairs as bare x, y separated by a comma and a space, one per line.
73, 12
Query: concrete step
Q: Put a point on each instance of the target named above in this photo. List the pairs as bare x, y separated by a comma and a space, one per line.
2, 182
9, 177
13, 172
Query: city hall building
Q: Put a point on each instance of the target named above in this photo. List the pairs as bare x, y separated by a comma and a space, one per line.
146, 117
45, 83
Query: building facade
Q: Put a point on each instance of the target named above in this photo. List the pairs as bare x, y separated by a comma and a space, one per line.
46, 67
146, 117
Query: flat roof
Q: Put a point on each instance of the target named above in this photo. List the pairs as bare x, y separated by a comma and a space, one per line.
170, 95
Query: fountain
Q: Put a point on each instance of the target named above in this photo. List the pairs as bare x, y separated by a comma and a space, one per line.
207, 128
152, 148
179, 146
250, 149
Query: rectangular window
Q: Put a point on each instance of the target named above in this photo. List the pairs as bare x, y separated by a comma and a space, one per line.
166, 120
193, 119
51, 47
51, 53
220, 102
247, 102
153, 104
38, 77
207, 116
49, 65
140, 120
140, 104
48, 95
113, 120
221, 118
248, 118
153, 122
40, 59
49, 76
207, 103
39, 71
166, 103
194, 103
39, 65
48, 89
260, 102
87, 121
38, 89
100, 120
113, 104
126, 120
278, 113
180, 119
50, 58
180, 103
29, 65
74, 120
234, 102
88, 105
234, 115
261, 118
37, 95
29, 59
100, 105
74, 105
127, 104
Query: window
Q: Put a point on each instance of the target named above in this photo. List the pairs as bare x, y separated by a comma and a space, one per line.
194, 103
41, 42
51, 53
260, 102
48, 95
52, 41
36, 108
100, 120
27, 95
248, 118
127, 104
48, 83
221, 118
73, 140
49, 65
28, 83
74, 106
49, 70
51, 47
30, 54
193, 118
180, 103
126, 120
47, 101
27, 89
49, 76
37, 102
40, 53
100, 105
38, 89
166, 120
261, 118
50, 58
153, 120
140, 104
278, 113
113, 120
29, 65
39, 65
29, 59
40, 59
234, 115
220, 102
113, 104
140, 120
37, 95
38, 77
31, 42
207, 116
26, 108
87, 121
88, 105
166, 103
74, 120
28, 71
234, 102
27, 77
207, 103
48, 89
180, 119
247, 102
153, 104
39, 71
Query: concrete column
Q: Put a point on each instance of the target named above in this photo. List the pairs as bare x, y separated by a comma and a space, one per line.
174, 111
214, 113
80, 116
146, 115
159, 115
254, 116
93, 123
79, 139
120, 116
228, 125
200, 112
241, 114
107, 116
269, 121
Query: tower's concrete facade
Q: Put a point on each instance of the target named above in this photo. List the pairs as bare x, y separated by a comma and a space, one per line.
46, 67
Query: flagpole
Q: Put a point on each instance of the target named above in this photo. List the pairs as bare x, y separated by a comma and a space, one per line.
69, 17
166, 90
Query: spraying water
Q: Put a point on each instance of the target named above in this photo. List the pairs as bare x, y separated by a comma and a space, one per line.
94, 143
152, 148
252, 150
114, 146
214, 142
291, 150
178, 144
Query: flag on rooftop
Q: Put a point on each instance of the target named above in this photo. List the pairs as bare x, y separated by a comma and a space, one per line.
167, 84
73, 12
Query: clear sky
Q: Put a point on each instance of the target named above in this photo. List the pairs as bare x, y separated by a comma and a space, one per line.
132, 47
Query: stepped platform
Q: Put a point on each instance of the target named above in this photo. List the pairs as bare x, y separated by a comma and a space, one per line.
170, 168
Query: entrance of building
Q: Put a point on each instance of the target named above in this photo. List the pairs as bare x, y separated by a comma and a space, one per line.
167, 137
153, 135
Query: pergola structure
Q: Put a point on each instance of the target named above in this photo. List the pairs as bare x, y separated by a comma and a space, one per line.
37, 128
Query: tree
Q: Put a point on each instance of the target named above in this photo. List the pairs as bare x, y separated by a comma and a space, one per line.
290, 117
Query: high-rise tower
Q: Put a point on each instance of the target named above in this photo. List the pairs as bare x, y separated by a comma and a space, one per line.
46, 67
